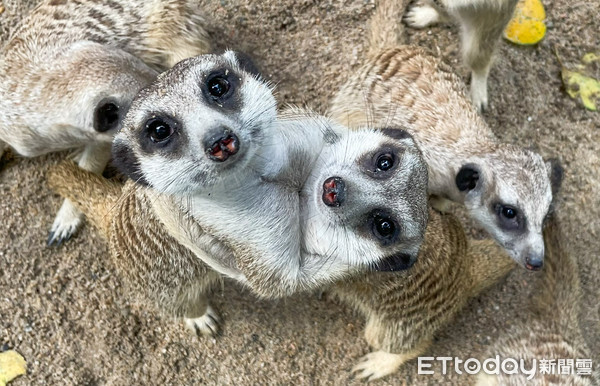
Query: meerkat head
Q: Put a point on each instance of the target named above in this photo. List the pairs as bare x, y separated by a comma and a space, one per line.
366, 200
509, 192
203, 119
101, 82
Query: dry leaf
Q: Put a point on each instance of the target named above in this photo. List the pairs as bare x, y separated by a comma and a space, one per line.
582, 81
527, 25
12, 364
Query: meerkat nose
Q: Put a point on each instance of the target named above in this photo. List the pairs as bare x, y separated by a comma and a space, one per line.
534, 261
334, 191
222, 145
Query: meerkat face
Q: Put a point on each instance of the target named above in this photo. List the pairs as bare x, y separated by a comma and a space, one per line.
99, 84
510, 193
366, 200
201, 120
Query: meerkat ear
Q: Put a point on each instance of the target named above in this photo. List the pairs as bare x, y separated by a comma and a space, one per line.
396, 133
467, 177
245, 62
555, 173
107, 115
125, 161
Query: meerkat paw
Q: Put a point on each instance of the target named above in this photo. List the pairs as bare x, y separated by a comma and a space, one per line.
439, 203
208, 324
66, 223
421, 15
479, 95
377, 365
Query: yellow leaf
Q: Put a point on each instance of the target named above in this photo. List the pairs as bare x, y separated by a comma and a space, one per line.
12, 364
583, 87
527, 25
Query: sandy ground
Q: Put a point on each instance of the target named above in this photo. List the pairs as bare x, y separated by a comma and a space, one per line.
64, 308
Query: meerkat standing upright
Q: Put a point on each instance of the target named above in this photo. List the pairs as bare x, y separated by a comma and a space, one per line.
217, 172
505, 188
482, 23
70, 70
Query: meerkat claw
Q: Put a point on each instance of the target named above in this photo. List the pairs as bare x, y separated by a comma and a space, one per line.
377, 365
208, 324
65, 224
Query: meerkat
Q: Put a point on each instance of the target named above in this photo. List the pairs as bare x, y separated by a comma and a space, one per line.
505, 188
405, 309
554, 333
70, 70
481, 25
225, 188
258, 178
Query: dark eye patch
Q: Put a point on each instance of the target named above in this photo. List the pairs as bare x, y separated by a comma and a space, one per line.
382, 163
220, 89
160, 132
509, 217
383, 226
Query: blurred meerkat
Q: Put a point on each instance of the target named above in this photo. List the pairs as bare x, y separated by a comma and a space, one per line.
226, 188
70, 70
554, 331
404, 310
505, 188
481, 25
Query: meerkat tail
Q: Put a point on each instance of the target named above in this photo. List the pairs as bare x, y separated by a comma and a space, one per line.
385, 27
560, 291
488, 264
90, 193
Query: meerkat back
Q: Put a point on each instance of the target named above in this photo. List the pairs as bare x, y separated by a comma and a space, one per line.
71, 69
505, 188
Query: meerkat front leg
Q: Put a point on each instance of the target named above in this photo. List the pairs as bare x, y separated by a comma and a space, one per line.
424, 13
381, 336
94, 158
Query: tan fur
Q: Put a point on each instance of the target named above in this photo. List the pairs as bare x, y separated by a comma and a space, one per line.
482, 23
553, 331
405, 309
150, 260
68, 58
404, 86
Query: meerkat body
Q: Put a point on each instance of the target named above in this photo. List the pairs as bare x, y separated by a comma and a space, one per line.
482, 23
505, 188
554, 332
70, 70
225, 188
155, 267
404, 310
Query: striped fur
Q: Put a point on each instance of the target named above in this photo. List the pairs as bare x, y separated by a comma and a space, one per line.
152, 263
404, 310
70, 58
404, 86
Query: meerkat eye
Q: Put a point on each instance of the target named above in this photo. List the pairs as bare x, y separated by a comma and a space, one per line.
509, 212
385, 162
159, 130
509, 216
384, 227
218, 86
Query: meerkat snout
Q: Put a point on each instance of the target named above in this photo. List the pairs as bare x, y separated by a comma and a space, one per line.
334, 191
534, 261
221, 144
